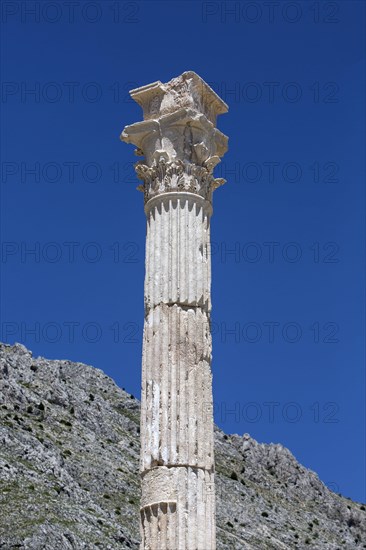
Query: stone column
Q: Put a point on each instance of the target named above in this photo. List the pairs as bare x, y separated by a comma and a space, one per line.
181, 146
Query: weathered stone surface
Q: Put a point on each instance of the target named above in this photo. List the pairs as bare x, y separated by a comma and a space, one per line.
178, 267
177, 361
69, 452
181, 146
178, 137
185, 91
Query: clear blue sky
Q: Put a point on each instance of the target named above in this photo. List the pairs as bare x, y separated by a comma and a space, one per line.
288, 303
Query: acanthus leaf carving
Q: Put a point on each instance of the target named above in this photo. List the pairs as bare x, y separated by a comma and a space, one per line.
175, 175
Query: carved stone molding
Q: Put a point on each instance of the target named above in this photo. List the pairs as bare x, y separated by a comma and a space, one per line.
178, 137
163, 177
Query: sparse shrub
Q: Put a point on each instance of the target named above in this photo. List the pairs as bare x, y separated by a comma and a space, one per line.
106, 496
351, 522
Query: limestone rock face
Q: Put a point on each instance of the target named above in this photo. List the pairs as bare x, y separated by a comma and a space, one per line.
181, 146
69, 448
69, 454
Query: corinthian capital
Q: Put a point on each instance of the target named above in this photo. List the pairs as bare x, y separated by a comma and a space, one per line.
178, 137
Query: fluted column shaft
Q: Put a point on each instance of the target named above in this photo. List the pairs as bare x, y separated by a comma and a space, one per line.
177, 460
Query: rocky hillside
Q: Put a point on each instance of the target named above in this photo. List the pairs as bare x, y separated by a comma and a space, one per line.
69, 460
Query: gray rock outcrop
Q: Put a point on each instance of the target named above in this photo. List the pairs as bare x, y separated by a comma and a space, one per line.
69, 454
